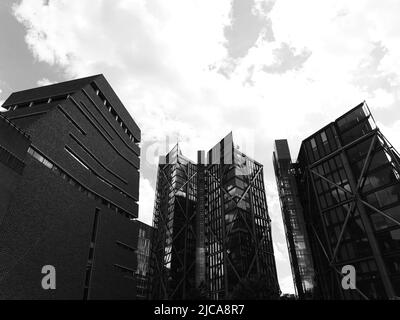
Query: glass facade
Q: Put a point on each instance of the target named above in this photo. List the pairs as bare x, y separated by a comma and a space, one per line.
212, 229
349, 177
143, 258
237, 222
294, 223
174, 240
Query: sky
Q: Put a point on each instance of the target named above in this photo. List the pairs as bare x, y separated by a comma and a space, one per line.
194, 70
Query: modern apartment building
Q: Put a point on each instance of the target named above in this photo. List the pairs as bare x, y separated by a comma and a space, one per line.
174, 222
348, 178
212, 228
238, 227
293, 221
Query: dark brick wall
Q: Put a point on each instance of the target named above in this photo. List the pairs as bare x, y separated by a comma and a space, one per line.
48, 222
102, 83
37, 230
51, 134
45, 220
8, 182
108, 281
14, 142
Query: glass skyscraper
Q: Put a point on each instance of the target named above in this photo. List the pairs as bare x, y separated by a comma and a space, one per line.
213, 230
173, 259
239, 243
348, 177
293, 220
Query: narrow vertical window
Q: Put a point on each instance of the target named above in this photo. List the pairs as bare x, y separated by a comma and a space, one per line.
89, 266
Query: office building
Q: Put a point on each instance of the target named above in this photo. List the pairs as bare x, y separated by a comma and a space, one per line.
70, 186
347, 175
293, 221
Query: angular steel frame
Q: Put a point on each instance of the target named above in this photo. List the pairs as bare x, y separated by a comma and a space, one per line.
160, 284
251, 230
194, 226
357, 201
285, 173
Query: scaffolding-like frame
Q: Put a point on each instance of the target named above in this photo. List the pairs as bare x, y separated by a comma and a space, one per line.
356, 202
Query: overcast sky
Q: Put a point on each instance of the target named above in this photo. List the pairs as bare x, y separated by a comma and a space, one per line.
194, 70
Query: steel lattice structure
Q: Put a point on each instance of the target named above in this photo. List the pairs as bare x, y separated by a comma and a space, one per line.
294, 222
173, 253
212, 226
238, 226
349, 177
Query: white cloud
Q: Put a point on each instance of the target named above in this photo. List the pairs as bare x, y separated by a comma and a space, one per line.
157, 56
392, 133
162, 58
382, 99
146, 201
44, 82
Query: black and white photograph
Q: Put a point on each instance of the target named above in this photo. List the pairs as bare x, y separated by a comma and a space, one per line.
197, 157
